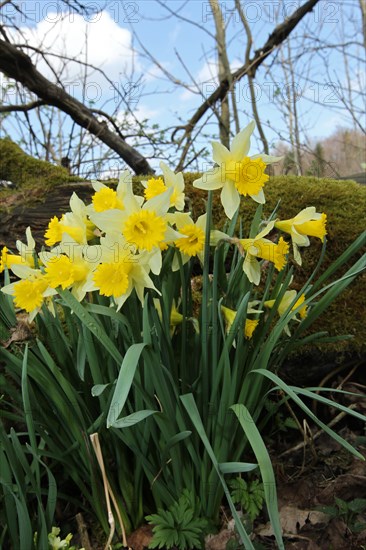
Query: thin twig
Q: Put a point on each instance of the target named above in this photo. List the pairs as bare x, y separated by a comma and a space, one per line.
332, 423
98, 452
83, 532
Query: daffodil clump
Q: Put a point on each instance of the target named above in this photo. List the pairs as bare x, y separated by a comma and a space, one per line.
160, 325
117, 243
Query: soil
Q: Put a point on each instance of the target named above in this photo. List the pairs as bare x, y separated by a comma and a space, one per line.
306, 481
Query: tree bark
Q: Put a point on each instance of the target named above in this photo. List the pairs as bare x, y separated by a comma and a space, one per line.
224, 72
17, 65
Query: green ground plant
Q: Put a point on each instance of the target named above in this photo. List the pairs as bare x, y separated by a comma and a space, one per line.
175, 388
349, 511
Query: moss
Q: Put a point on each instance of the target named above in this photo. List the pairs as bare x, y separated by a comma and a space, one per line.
25, 171
344, 202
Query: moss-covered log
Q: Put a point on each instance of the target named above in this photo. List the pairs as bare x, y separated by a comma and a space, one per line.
343, 201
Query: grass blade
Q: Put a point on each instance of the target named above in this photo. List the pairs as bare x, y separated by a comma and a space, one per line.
265, 466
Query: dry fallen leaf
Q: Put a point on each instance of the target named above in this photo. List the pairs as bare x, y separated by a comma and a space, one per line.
292, 520
22, 331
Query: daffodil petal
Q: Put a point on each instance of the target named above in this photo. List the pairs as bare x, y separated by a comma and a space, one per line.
175, 262
241, 143
155, 261
172, 179
23, 271
109, 221
297, 255
268, 159
210, 180
121, 299
30, 241
159, 204
259, 197
230, 199
216, 236
219, 153
201, 222
306, 215
300, 240
97, 185
252, 269
266, 230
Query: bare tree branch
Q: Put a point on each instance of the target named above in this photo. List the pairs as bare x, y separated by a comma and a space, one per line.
280, 33
17, 65
21, 108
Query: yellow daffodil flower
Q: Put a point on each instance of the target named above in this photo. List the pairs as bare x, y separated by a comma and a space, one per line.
70, 264
74, 223
121, 270
153, 187
176, 318
259, 247
192, 240
287, 299
8, 260
26, 253
30, 291
250, 324
105, 198
307, 223
145, 226
157, 186
236, 173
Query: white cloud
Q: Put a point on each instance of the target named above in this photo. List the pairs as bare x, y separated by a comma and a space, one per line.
102, 43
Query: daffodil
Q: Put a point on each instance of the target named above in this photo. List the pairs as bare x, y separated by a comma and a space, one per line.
145, 227
75, 224
105, 198
192, 240
176, 318
307, 223
153, 187
175, 182
157, 186
236, 174
287, 299
263, 248
70, 264
26, 253
30, 291
250, 324
121, 270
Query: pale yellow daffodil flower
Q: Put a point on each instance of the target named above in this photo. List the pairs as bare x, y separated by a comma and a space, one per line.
157, 186
265, 249
307, 223
250, 324
120, 271
287, 299
30, 291
236, 174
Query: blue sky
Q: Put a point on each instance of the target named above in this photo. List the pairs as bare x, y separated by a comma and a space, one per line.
110, 28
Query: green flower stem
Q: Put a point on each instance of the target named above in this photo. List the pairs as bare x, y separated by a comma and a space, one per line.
205, 309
